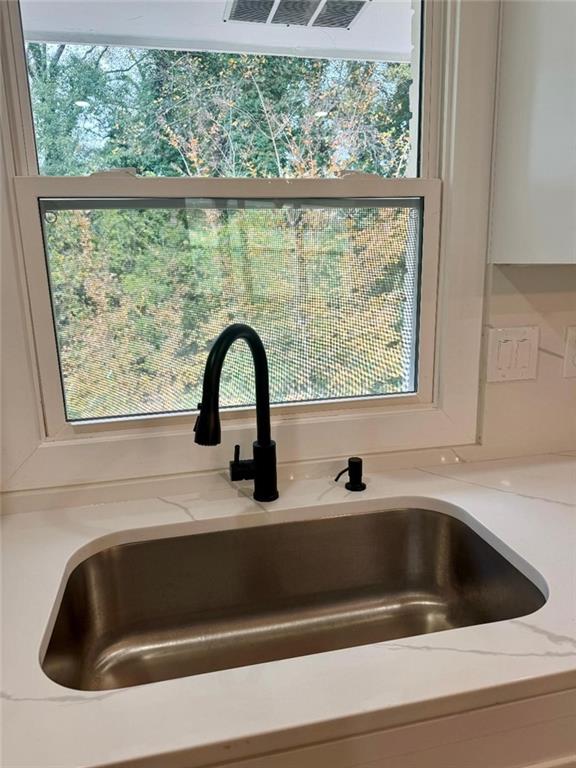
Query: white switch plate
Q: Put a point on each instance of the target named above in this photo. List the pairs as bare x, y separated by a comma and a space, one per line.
513, 353
570, 352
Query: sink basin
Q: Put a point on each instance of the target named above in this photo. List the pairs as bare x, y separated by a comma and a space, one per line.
156, 610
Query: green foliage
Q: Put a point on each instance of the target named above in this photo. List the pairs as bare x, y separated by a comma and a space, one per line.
140, 295
176, 113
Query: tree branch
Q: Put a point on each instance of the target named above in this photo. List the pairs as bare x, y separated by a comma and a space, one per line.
88, 52
124, 69
268, 121
101, 55
56, 58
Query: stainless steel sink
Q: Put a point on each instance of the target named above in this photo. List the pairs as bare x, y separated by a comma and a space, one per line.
155, 610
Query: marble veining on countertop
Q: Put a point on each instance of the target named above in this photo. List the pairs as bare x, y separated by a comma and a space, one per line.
524, 507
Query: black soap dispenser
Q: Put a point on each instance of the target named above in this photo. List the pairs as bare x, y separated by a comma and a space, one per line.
354, 470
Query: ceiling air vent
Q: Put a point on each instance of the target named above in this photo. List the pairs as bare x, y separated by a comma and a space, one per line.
256, 11
295, 11
338, 13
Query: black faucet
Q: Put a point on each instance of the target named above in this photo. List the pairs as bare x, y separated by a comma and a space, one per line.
262, 468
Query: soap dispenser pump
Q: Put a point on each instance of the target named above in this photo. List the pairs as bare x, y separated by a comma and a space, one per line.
354, 470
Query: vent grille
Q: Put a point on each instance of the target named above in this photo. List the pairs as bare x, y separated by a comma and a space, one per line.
295, 11
334, 14
256, 11
339, 13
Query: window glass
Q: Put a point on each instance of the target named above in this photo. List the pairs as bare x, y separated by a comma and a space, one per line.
241, 88
141, 288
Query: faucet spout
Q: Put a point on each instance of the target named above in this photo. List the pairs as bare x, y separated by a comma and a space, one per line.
207, 428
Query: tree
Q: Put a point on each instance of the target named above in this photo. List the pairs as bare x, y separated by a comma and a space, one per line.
249, 115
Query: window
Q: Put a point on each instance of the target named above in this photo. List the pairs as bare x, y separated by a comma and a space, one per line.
140, 288
420, 392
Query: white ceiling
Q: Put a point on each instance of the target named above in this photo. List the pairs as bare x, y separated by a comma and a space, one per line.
382, 30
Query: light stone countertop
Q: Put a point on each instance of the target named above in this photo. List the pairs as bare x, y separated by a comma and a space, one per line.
526, 508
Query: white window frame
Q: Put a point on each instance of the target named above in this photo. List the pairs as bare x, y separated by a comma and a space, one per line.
457, 109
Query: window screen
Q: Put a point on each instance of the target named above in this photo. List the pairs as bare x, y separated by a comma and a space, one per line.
140, 288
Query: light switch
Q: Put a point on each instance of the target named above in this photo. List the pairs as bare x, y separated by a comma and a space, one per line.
505, 353
512, 353
523, 354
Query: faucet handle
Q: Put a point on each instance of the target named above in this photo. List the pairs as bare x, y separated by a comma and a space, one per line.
241, 469
199, 407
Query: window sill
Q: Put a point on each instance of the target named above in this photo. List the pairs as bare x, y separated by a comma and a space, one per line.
154, 452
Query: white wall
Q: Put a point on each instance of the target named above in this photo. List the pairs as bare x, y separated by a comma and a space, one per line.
519, 417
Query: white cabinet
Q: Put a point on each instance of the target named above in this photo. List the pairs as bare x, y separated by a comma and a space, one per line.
533, 217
